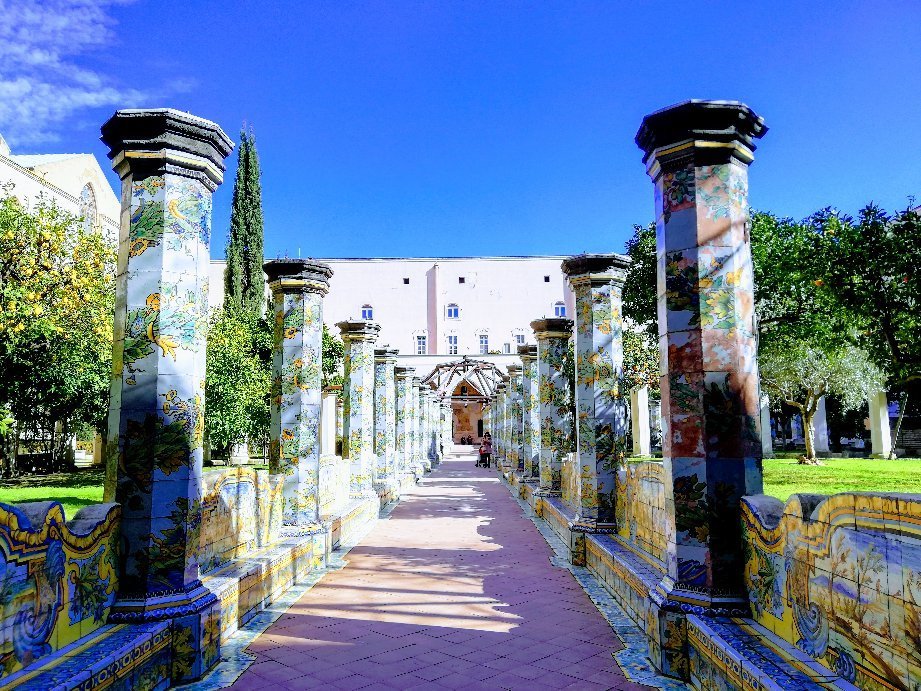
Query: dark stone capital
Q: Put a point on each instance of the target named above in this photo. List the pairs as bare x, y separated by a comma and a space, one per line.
527, 353
404, 372
552, 328
705, 132
298, 275
597, 268
513, 369
359, 330
386, 354
153, 141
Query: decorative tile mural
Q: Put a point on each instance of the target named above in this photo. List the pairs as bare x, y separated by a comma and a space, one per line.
530, 447
358, 402
385, 414
642, 520
839, 579
58, 579
514, 411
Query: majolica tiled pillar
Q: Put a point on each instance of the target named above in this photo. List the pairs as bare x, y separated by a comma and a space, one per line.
500, 425
516, 460
385, 443
358, 403
697, 154
553, 393
530, 413
170, 163
298, 287
446, 427
601, 429
403, 377
415, 402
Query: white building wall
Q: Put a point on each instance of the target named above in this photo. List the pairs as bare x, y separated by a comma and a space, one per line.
499, 297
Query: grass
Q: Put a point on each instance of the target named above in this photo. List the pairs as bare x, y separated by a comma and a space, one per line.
74, 490
783, 476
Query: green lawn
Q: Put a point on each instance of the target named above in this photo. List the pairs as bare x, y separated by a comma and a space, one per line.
782, 477
73, 490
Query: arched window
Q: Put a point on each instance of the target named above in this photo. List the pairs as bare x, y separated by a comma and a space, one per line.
88, 206
559, 309
453, 311
367, 312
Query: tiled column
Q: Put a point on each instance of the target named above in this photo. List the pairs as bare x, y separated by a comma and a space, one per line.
697, 154
403, 377
447, 418
298, 287
358, 403
418, 467
639, 419
516, 458
601, 430
385, 360
500, 425
530, 448
170, 163
423, 438
556, 421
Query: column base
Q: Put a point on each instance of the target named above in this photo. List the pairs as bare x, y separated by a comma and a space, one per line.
592, 526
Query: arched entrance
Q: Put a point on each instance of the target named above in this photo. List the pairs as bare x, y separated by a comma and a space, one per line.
469, 384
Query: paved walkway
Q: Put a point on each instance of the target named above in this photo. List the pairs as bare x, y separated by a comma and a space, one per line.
455, 590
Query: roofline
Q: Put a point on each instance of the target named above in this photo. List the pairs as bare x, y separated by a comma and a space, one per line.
549, 257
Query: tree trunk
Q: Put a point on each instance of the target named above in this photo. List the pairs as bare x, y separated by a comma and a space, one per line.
809, 433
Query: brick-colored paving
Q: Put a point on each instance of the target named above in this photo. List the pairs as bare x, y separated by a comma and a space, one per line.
455, 590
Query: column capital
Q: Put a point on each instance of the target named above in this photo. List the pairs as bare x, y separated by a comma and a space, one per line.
596, 269
153, 141
554, 327
385, 355
297, 276
513, 369
500, 388
359, 330
404, 372
703, 132
527, 353
417, 382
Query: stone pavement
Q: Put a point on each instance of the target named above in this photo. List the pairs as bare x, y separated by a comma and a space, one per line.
455, 590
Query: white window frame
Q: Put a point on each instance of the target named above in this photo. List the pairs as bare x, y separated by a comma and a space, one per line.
519, 339
370, 312
483, 340
452, 344
453, 306
559, 309
422, 345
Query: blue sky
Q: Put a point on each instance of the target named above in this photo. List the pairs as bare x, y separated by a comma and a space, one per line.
457, 128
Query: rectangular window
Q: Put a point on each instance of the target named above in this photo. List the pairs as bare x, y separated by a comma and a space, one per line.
519, 339
506, 348
367, 313
452, 345
461, 279
420, 345
405, 281
484, 344
546, 279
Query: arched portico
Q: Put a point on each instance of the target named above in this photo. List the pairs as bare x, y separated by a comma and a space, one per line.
469, 384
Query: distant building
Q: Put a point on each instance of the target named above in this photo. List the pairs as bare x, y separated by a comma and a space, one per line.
439, 309
74, 182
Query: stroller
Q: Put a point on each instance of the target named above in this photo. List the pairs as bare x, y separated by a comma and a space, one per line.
485, 455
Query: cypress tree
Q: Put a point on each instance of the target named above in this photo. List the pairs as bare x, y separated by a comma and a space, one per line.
244, 282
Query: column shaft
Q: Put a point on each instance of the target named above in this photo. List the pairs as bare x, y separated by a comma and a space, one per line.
358, 403
556, 418
530, 447
385, 360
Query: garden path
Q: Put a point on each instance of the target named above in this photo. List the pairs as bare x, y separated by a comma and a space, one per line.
455, 590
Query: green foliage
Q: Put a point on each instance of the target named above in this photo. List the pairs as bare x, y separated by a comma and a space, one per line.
640, 285
333, 354
57, 296
244, 281
238, 379
870, 265
800, 373
641, 362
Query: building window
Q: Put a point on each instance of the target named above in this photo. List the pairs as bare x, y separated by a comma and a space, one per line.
464, 391
405, 281
461, 279
519, 339
453, 311
367, 312
452, 345
88, 206
559, 309
506, 348
546, 279
484, 344
420, 345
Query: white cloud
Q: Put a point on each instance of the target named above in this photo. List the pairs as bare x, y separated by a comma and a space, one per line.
41, 84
